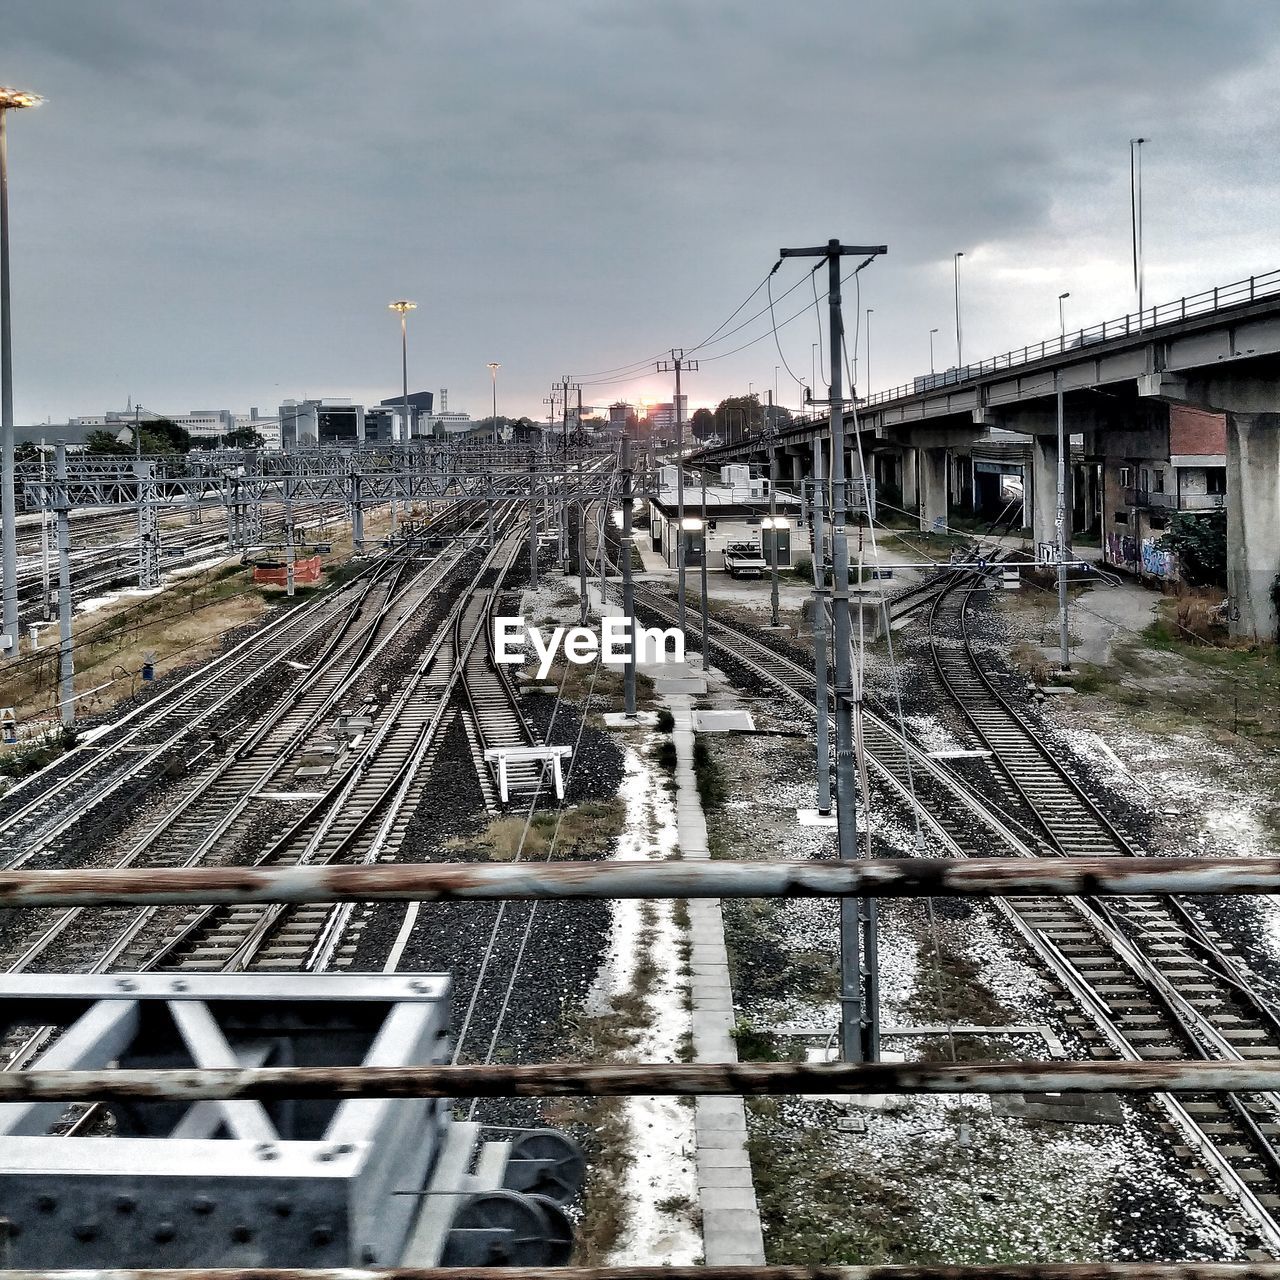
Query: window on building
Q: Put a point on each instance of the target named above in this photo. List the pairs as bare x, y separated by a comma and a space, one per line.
1157, 479
1215, 480
1126, 477
1122, 517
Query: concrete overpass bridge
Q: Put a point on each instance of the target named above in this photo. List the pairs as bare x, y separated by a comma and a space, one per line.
1218, 350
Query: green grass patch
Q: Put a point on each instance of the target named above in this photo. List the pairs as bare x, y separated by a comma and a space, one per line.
712, 786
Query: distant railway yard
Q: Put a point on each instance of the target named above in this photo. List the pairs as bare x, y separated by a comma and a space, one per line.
371, 722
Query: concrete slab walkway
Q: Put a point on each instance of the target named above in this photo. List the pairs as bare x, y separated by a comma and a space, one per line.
731, 1232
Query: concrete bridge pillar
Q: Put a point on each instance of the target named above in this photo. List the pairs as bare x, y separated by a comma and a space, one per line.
1251, 404
933, 489
910, 489
1044, 492
1253, 523
797, 472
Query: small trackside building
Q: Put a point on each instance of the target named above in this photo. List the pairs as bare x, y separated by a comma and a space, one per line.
737, 511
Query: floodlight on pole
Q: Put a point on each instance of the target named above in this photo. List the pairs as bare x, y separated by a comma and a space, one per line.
1062, 317
1135, 217
10, 100
493, 367
931, 333
404, 306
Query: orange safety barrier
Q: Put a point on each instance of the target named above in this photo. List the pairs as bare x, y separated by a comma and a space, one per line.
306, 573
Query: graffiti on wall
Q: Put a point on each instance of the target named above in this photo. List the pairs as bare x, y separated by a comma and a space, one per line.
1145, 557
1157, 563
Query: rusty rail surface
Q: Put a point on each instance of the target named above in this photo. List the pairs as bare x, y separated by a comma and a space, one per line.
576, 1079
995, 1271
871, 877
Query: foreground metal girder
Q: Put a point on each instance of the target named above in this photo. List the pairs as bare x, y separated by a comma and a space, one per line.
996, 1271
430, 882
572, 1079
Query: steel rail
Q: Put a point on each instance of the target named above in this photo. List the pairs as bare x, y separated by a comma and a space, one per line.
356, 660
321, 818
294, 628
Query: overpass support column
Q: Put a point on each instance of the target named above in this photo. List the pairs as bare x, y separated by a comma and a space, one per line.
797, 472
910, 489
1044, 493
933, 489
1253, 523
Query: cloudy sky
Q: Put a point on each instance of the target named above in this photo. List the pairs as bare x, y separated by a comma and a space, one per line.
217, 201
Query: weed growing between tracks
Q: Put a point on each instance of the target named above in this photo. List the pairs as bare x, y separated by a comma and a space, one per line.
923, 1180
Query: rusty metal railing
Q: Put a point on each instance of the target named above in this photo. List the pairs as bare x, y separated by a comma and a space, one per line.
440, 882
999, 1271
577, 1079
647, 879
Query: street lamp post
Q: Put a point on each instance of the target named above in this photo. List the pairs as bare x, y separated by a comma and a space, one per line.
813, 367
866, 382
10, 100
494, 366
403, 306
1135, 216
1062, 321
931, 333
955, 262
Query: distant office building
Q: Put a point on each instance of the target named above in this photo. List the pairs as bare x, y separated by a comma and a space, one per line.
307, 423
420, 406
267, 428
202, 424
618, 415
446, 423
663, 416
382, 425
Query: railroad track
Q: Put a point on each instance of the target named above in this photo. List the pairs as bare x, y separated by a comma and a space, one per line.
361, 818
1150, 980
359, 815
188, 716
1157, 982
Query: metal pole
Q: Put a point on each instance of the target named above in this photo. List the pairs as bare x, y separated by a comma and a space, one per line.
628, 591
288, 536
493, 371
1135, 218
604, 517
866, 381
706, 623
584, 613
820, 632
8, 492
1064, 652
680, 615
852, 1010
931, 333
564, 481
45, 522
66, 656
533, 522
773, 515
955, 262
